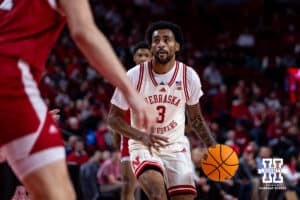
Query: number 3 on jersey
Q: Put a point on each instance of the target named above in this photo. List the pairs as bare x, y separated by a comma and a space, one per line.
161, 114
6, 5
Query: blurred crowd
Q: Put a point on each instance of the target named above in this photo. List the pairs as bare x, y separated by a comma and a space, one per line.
241, 50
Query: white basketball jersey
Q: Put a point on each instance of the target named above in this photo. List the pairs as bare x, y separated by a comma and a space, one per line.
168, 98
167, 94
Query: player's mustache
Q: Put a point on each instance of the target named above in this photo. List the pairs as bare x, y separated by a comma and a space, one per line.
162, 51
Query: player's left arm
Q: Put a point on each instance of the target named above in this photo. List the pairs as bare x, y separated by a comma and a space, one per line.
195, 116
199, 124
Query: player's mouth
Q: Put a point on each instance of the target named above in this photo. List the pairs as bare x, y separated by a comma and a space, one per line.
162, 53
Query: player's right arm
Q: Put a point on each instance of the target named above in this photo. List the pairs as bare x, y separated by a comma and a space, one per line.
100, 54
117, 123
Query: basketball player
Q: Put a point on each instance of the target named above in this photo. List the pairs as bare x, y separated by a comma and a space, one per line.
30, 138
141, 53
168, 86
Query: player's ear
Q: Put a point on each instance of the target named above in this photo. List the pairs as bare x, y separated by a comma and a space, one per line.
177, 46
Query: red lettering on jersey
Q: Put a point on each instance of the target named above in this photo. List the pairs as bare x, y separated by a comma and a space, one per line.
170, 99
155, 98
170, 126
165, 99
150, 99
173, 99
160, 98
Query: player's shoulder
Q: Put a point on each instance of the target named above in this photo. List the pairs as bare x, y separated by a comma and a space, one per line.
133, 71
136, 69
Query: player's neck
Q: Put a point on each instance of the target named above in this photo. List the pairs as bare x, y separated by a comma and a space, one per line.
162, 68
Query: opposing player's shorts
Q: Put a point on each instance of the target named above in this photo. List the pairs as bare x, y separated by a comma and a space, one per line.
29, 136
124, 149
174, 162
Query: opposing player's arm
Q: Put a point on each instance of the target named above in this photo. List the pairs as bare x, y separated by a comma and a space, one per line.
95, 46
93, 43
118, 124
199, 124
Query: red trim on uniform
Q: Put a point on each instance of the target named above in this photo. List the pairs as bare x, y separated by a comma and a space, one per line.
151, 74
174, 75
186, 93
144, 164
141, 75
182, 189
124, 147
181, 186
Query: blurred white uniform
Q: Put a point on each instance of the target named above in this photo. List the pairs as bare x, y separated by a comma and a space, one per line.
168, 94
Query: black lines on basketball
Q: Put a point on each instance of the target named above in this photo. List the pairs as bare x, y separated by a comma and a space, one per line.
218, 163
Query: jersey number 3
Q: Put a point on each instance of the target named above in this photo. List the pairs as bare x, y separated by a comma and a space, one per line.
161, 114
6, 5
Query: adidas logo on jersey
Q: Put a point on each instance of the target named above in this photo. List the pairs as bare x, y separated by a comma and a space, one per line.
163, 90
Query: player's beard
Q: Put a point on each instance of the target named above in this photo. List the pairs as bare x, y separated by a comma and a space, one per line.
162, 60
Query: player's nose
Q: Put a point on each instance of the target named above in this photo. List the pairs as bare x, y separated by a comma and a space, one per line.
161, 44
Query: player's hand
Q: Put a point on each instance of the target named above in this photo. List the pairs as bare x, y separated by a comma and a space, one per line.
55, 114
155, 140
145, 116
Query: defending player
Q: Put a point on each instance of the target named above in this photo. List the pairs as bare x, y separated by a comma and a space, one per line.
29, 137
168, 86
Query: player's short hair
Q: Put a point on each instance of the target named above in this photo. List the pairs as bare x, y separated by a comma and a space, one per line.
140, 45
165, 25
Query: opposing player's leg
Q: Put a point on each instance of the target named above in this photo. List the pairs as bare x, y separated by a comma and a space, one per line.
38, 160
129, 180
30, 139
152, 182
50, 182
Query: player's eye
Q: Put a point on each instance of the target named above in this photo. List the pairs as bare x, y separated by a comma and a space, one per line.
156, 41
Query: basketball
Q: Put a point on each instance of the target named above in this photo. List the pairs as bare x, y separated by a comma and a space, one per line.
221, 163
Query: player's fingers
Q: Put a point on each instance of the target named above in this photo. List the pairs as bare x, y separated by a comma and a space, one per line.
155, 146
54, 114
161, 138
54, 111
160, 144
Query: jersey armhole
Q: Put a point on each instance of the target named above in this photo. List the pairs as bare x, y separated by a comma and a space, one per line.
186, 93
141, 75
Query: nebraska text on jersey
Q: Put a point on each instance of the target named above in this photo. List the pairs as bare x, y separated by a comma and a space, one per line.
169, 127
160, 98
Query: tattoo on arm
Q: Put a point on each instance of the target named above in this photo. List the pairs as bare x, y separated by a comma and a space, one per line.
199, 125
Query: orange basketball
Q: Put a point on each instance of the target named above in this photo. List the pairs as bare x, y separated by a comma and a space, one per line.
221, 163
